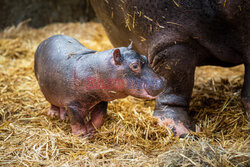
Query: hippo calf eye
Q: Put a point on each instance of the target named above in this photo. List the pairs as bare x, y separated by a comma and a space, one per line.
135, 66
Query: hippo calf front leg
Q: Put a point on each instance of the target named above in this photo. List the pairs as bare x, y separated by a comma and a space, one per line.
176, 63
97, 117
77, 115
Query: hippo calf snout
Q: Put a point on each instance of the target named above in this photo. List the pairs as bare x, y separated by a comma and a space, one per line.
142, 81
155, 86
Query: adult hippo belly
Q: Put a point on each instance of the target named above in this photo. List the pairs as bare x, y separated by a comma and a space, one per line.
177, 36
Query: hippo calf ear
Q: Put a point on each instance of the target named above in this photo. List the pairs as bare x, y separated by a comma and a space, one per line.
145, 58
117, 57
130, 45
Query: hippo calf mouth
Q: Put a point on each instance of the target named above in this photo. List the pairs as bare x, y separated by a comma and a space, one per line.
149, 89
143, 93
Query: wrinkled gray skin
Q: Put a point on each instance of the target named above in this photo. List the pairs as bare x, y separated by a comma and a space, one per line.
177, 36
63, 66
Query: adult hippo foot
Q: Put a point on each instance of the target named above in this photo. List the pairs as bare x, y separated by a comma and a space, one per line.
177, 119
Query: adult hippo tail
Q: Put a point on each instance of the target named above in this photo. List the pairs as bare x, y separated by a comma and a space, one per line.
177, 36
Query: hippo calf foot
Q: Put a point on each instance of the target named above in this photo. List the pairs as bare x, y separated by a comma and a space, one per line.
177, 120
55, 111
79, 130
83, 130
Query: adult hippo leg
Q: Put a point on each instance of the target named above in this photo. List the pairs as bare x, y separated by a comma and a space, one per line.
246, 90
97, 117
176, 63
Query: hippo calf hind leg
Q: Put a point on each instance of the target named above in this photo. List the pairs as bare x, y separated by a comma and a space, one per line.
177, 66
63, 113
54, 111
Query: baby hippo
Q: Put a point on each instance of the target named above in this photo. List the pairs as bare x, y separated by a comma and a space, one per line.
80, 81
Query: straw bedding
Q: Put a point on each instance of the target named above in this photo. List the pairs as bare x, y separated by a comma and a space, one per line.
130, 135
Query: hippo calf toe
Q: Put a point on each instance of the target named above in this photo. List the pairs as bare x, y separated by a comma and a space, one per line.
77, 81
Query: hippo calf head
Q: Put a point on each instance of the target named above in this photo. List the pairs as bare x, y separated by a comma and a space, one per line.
139, 80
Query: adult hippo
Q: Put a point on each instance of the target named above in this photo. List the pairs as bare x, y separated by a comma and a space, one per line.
177, 36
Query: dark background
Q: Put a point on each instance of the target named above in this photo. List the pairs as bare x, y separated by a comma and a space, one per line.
43, 12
